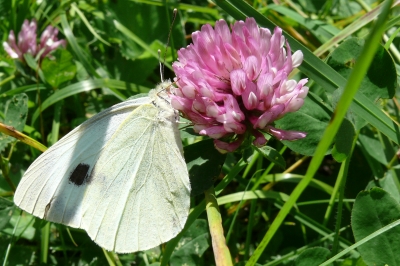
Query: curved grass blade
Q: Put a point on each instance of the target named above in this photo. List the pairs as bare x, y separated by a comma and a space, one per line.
362, 241
137, 40
85, 86
76, 48
90, 28
26, 88
10, 131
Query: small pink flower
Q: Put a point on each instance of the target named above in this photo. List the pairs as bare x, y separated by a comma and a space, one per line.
27, 42
234, 84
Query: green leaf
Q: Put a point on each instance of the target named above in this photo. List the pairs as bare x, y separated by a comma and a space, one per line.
312, 118
387, 183
353, 262
194, 242
204, 163
16, 111
272, 155
373, 210
344, 141
24, 223
6, 208
372, 146
313, 257
381, 78
59, 70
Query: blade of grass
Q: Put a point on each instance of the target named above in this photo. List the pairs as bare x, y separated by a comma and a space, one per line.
8, 79
26, 88
313, 225
183, 6
10, 131
90, 28
9, 246
137, 40
293, 254
5, 172
85, 86
361, 242
83, 59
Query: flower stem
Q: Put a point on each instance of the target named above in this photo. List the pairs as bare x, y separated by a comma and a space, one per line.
221, 251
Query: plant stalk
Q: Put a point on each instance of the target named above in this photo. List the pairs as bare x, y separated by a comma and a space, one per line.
221, 251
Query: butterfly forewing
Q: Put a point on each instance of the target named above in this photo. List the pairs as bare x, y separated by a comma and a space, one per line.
51, 171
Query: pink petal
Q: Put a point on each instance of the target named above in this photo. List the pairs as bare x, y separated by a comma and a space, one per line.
222, 29
269, 116
297, 58
10, 51
286, 135
214, 132
249, 96
189, 91
252, 67
232, 107
238, 81
180, 103
260, 140
225, 147
253, 29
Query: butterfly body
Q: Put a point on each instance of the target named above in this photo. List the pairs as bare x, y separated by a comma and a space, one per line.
120, 176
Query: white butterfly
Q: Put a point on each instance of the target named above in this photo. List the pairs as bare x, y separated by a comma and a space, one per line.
120, 176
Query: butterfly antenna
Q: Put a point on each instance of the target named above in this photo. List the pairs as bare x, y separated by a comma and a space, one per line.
162, 65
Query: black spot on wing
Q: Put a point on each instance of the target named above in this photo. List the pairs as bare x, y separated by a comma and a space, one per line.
80, 174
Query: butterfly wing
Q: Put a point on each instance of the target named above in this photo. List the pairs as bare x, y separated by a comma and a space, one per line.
99, 178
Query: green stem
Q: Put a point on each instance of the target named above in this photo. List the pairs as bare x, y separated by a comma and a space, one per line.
343, 172
221, 251
11, 240
112, 258
44, 246
230, 230
4, 171
254, 159
250, 225
55, 129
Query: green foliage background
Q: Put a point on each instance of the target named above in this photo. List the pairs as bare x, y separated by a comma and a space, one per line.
278, 205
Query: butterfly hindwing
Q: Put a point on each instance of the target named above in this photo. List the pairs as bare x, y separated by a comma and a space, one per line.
146, 201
